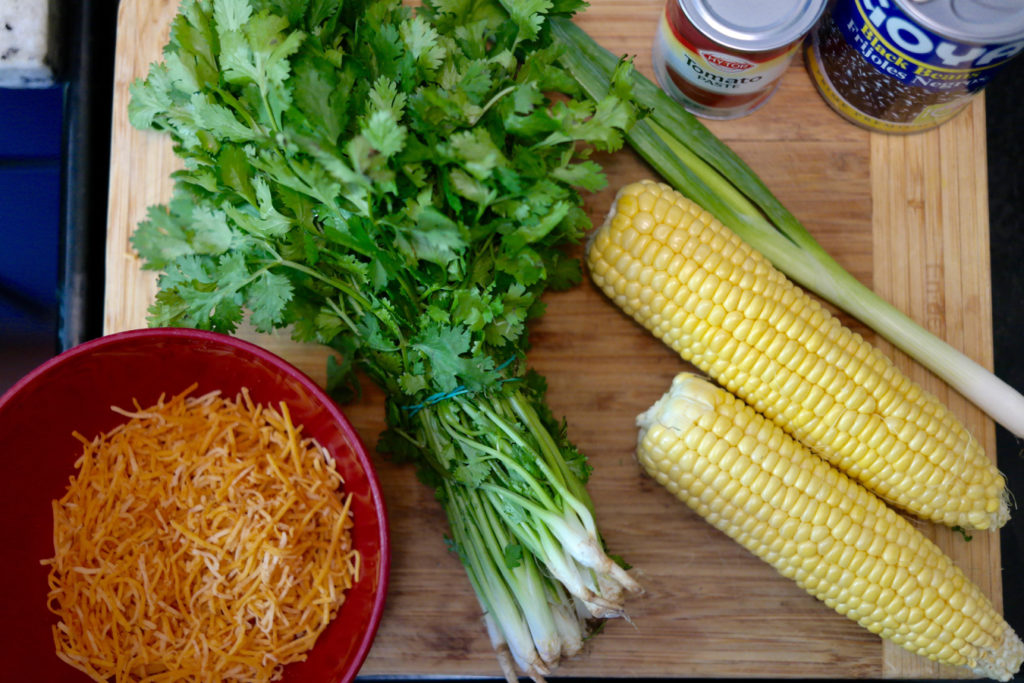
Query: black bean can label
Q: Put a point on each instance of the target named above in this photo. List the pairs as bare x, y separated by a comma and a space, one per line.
902, 67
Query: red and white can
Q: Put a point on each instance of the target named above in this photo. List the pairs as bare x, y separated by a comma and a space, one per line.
723, 58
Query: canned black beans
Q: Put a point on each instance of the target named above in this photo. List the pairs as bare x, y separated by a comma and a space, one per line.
910, 65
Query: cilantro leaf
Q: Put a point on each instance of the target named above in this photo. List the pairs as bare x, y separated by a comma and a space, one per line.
434, 237
231, 15
446, 347
423, 43
149, 98
201, 292
218, 117
159, 239
528, 15
384, 133
266, 297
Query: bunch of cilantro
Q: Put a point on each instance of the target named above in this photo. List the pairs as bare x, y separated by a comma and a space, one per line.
401, 185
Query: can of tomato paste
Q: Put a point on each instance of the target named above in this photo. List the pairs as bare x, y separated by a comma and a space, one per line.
903, 66
724, 58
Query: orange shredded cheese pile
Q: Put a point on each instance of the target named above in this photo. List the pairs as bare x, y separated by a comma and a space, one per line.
205, 539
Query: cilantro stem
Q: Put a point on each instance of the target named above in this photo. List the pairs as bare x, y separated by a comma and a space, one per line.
512, 521
347, 289
270, 112
342, 315
507, 459
351, 292
513, 595
491, 102
543, 447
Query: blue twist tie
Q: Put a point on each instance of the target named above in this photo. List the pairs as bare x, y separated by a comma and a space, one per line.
457, 391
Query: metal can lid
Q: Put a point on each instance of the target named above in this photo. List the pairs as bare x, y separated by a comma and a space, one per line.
970, 21
754, 25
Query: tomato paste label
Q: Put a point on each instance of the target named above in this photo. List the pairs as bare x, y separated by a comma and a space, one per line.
718, 71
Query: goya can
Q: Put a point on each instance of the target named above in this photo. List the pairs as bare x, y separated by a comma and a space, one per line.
724, 58
904, 66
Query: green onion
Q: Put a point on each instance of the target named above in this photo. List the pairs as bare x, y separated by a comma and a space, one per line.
521, 522
690, 158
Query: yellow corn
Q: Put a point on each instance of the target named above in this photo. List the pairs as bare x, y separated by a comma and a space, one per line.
694, 284
817, 526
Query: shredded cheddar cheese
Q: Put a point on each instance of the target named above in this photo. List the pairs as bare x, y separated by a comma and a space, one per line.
204, 539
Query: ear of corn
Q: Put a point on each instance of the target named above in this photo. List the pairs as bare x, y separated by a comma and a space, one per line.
818, 527
695, 285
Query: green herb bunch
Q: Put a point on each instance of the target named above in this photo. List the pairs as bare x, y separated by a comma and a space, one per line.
401, 185
396, 185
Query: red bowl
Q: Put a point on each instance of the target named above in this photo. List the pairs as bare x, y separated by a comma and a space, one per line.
75, 390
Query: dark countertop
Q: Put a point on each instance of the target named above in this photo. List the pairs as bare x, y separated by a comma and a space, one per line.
90, 36
1005, 125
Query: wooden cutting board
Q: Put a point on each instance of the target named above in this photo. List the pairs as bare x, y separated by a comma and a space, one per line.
907, 215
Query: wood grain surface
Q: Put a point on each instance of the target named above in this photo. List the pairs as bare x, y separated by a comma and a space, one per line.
906, 215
